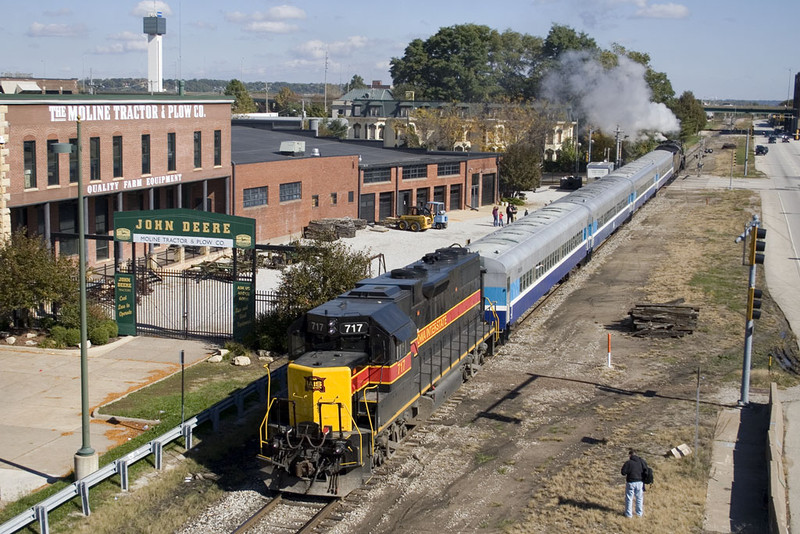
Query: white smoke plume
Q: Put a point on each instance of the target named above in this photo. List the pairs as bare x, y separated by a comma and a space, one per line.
609, 97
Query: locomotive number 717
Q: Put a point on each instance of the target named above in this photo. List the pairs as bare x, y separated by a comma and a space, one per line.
353, 328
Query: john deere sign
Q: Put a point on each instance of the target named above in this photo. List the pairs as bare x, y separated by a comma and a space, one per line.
184, 227
190, 228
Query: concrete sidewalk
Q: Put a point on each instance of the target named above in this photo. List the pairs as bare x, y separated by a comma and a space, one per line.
40, 424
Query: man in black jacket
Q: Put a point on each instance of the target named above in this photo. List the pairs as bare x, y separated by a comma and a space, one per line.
633, 471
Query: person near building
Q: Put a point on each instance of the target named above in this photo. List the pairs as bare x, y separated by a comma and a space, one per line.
633, 471
494, 215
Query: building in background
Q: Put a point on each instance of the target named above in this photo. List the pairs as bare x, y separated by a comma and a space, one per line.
285, 177
139, 152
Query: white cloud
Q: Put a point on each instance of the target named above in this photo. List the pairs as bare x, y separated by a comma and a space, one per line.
37, 29
270, 22
286, 12
316, 49
663, 11
203, 25
267, 26
237, 16
122, 43
148, 7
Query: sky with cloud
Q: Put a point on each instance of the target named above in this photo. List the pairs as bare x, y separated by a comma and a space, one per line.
715, 48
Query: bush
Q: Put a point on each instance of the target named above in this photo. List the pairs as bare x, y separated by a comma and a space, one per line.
98, 335
58, 337
513, 201
72, 337
111, 327
236, 349
71, 316
270, 332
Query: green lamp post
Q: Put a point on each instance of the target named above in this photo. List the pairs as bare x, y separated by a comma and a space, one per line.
86, 460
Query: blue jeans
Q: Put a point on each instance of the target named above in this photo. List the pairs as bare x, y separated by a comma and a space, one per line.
634, 489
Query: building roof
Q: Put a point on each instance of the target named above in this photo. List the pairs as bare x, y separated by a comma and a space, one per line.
44, 99
19, 86
366, 93
251, 144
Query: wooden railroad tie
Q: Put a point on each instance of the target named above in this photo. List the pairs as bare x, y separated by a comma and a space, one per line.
668, 319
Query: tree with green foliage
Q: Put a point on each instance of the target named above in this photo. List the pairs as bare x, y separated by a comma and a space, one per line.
690, 112
333, 128
516, 61
319, 273
288, 103
31, 277
520, 168
356, 82
452, 65
243, 102
562, 38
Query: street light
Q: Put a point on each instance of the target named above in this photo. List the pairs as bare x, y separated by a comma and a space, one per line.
86, 460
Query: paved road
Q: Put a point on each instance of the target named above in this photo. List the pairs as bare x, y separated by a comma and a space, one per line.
40, 423
781, 209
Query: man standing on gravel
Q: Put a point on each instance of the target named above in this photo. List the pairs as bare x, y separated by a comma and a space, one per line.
633, 471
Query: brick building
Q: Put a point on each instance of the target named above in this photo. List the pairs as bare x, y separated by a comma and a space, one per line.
284, 190
139, 152
149, 152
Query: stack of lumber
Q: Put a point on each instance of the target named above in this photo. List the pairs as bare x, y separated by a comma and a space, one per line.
333, 229
670, 319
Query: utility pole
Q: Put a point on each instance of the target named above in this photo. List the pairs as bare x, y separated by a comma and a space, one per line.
325, 97
577, 149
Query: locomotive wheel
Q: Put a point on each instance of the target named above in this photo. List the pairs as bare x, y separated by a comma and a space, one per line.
402, 225
415, 226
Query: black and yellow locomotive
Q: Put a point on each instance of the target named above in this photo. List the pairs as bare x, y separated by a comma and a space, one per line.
369, 364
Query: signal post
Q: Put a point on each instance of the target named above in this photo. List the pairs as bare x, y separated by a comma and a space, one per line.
754, 257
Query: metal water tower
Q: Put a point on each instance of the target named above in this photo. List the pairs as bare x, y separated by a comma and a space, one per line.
155, 26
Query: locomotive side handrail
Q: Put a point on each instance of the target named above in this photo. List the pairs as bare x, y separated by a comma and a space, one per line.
496, 322
360, 436
341, 405
369, 417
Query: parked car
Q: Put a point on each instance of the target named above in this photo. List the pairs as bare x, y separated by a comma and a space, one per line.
772, 139
761, 150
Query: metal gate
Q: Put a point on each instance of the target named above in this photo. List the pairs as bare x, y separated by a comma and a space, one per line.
184, 304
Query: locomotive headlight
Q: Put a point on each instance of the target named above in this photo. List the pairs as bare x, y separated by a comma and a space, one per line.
332, 326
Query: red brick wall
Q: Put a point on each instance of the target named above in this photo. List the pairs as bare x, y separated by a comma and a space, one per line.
319, 176
34, 122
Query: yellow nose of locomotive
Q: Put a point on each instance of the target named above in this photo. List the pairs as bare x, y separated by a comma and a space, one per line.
322, 395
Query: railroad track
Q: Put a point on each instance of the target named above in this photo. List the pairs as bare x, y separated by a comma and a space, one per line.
284, 514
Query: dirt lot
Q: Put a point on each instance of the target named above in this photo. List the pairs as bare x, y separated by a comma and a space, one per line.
535, 442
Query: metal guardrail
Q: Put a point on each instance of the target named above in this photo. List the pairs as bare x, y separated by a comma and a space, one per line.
120, 466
